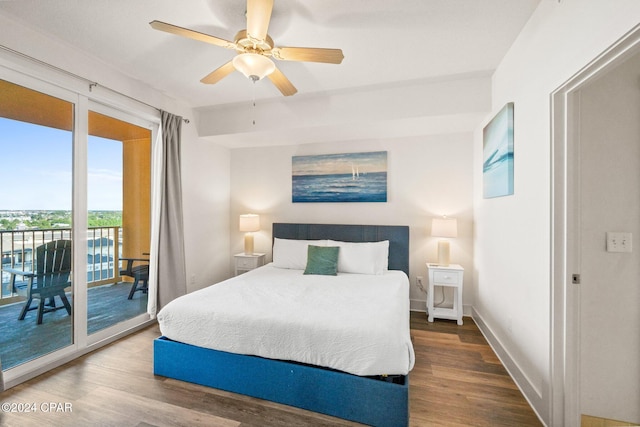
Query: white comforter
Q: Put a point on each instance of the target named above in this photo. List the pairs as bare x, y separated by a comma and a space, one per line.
351, 322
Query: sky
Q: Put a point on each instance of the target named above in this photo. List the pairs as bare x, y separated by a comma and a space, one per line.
327, 164
36, 169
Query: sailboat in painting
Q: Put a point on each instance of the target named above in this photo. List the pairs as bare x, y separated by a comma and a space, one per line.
355, 173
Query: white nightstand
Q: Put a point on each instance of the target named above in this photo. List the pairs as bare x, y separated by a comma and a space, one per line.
451, 276
245, 262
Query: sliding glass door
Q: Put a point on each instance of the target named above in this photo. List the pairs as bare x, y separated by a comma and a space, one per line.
74, 209
118, 200
36, 176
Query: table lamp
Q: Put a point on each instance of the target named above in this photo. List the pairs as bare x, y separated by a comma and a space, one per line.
444, 227
249, 223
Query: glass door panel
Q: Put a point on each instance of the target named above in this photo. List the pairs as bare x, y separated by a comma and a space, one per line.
36, 142
119, 167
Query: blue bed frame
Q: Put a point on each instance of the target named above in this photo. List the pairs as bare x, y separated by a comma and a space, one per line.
362, 399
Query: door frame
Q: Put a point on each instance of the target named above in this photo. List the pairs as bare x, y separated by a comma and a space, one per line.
565, 226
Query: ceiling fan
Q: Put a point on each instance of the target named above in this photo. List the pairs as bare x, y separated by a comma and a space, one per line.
255, 49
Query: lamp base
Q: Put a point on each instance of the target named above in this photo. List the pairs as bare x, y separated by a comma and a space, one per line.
443, 253
248, 244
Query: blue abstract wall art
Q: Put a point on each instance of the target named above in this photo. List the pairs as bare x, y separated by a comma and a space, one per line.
497, 167
350, 177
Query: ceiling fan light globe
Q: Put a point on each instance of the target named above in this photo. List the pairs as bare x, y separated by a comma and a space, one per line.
253, 65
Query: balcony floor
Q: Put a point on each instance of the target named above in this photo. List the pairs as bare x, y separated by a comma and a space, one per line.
23, 340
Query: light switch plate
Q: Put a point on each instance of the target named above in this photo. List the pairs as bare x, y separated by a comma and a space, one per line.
619, 241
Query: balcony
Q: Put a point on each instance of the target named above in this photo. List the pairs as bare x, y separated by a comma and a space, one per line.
107, 293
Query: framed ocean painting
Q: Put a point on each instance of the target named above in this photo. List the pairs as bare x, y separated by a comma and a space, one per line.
351, 177
497, 166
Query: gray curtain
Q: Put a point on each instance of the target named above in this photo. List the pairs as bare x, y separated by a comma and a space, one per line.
171, 280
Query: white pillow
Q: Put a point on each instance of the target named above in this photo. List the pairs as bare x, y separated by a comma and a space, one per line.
292, 254
362, 257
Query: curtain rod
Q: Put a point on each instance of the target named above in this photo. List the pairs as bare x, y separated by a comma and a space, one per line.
92, 83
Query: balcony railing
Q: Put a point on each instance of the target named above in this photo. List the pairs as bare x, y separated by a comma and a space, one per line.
104, 246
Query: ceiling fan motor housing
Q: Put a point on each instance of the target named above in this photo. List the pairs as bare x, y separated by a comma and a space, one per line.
249, 44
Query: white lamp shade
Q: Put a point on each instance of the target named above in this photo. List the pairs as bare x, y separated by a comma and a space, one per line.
253, 64
249, 222
444, 227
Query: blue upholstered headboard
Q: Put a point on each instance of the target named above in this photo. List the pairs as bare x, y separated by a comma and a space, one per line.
397, 235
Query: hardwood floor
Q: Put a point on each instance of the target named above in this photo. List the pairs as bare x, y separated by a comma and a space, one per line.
457, 381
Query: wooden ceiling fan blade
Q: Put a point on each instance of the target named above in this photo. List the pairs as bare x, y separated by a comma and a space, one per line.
218, 74
308, 54
282, 83
258, 17
196, 35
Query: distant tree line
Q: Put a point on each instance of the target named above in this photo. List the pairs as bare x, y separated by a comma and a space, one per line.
61, 219
105, 218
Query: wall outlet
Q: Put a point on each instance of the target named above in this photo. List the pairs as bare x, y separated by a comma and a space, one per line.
619, 241
193, 279
419, 283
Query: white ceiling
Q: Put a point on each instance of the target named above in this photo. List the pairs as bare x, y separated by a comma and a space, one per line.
384, 42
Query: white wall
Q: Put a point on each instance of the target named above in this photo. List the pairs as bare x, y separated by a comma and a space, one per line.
610, 201
205, 195
427, 176
513, 245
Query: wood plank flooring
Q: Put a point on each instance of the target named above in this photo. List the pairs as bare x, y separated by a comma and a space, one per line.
457, 381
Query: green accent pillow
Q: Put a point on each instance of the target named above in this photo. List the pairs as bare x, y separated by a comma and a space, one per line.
322, 260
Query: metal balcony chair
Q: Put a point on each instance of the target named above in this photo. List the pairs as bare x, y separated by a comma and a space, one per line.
48, 280
139, 273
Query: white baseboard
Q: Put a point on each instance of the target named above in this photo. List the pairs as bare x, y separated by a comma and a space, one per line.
534, 396
417, 305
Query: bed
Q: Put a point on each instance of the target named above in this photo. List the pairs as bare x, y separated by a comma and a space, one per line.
358, 373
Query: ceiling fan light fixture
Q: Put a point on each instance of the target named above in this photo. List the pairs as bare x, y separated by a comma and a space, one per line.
253, 65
